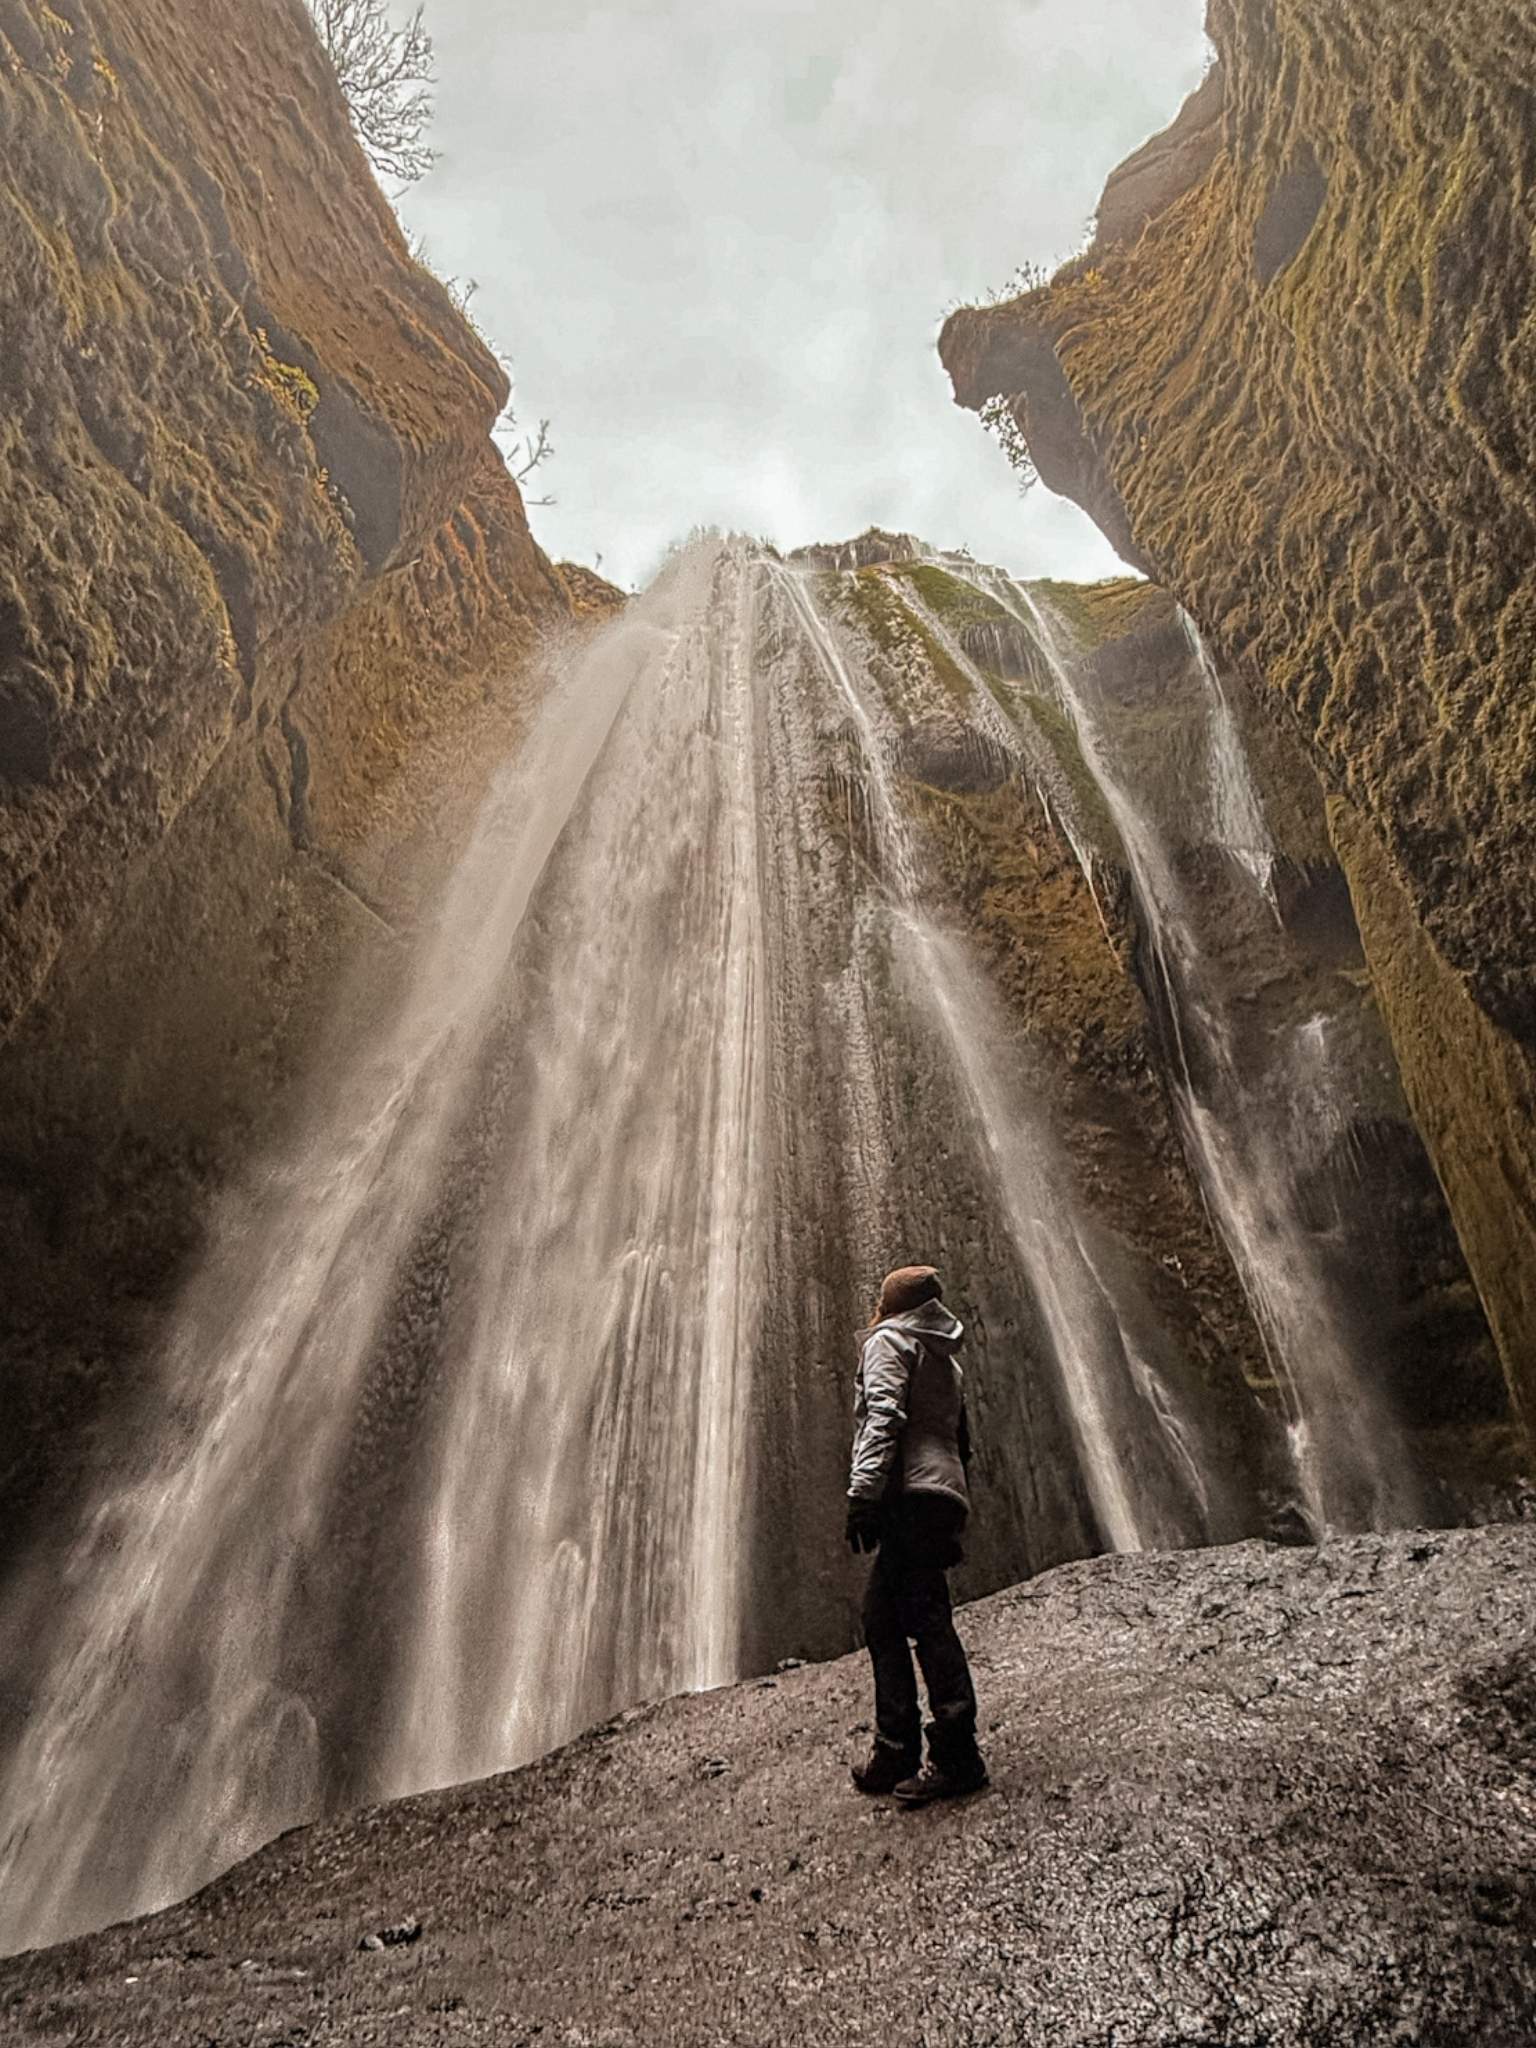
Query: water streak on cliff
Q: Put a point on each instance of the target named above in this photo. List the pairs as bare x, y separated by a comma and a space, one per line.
1263, 1115
1140, 1460
579, 1432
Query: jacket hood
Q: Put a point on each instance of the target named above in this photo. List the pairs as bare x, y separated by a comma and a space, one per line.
931, 1321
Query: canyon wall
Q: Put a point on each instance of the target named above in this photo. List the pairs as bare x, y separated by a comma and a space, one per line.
1290, 381
266, 589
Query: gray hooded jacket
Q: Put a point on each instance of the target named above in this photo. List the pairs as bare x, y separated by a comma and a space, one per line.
909, 1408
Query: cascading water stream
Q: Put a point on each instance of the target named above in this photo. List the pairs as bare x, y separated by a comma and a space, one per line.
1237, 814
581, 1534
1257, 1131
1137, 1456
622, 1214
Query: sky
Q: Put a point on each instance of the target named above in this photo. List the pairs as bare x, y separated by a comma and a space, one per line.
717, 239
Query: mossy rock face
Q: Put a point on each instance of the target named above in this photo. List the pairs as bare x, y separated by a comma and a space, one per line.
265, 588
1099, 613
873, 600
1117, 719
231, 396
592, 596
1293, 382
1012, 847
1472, 1088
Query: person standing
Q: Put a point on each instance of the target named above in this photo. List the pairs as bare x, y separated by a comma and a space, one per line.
908, 1502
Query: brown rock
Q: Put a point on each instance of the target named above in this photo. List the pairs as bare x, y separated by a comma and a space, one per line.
592, 596
1162, 170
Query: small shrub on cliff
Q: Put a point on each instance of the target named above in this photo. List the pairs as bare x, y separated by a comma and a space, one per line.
524, 457
386, 74
998, 418
1024, 279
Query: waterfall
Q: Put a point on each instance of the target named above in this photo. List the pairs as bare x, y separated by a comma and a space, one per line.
1237, 822
1136, 1454
580, 1038
469, 1427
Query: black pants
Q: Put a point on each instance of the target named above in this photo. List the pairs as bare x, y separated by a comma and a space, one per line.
908, 1596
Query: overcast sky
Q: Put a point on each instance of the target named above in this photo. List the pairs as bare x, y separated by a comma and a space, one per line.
717, 239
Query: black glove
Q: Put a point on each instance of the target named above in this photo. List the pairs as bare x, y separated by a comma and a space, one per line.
863, 1525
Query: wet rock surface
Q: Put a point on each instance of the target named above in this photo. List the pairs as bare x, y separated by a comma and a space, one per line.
1291, 381
1250, 1797
268, 601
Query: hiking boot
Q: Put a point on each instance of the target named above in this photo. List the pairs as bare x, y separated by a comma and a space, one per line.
884, 1769
951, 1780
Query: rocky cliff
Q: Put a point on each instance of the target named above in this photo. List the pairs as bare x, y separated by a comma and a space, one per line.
1255, 1797
1290, 380
264, 587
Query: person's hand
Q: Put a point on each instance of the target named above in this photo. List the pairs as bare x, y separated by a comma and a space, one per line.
863, 1525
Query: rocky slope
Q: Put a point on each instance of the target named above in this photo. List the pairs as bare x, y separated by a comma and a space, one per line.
1249, 1797
1291, 380
265, 587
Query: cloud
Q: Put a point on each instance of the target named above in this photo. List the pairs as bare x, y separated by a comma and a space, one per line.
717, 243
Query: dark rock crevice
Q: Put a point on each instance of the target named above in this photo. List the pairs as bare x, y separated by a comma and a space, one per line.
1289, 216
27, 726
363, 461
296, 807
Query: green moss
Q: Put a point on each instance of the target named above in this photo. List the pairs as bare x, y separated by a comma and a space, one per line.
870, 599
867, 597
1060, 735
950, 598
1025, 901
1097, 613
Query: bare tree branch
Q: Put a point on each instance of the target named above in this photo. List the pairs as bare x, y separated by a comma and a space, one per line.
535, 451
366, 50
525, 460
386, 74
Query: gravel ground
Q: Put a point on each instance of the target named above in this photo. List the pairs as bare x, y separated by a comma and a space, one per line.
1243, 1798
